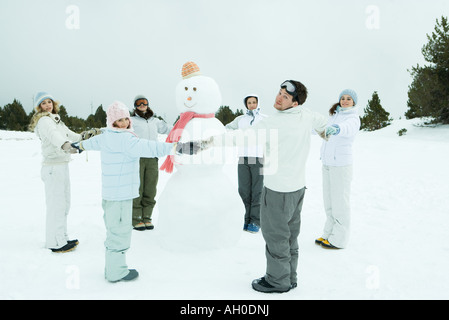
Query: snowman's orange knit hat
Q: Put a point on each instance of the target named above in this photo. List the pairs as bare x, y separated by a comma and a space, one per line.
190, 69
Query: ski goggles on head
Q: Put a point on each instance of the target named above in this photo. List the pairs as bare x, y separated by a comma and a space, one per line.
289, 87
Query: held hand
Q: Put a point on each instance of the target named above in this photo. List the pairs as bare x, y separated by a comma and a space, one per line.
193, 147
206, 144
189, 148
67, 148
90, 133
332, 130
78, 147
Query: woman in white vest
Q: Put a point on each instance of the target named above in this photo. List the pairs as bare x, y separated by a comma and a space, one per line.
337, 159
250, 177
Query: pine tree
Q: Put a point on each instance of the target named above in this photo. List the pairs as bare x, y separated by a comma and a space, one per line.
97, 120
225, 114
376, 117
428, 95
14, 117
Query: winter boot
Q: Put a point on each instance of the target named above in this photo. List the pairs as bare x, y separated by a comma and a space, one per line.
327, 245
319, 241
140, 226
149, 225
133, 274
66, 248
253, 228
262, 285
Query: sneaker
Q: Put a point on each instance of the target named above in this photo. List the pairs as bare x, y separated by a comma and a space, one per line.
262, 285
253, 228
319, 241
140, 226
149, 225
66, 248
245, 227
327, 245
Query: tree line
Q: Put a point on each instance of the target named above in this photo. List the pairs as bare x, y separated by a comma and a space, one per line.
14, 118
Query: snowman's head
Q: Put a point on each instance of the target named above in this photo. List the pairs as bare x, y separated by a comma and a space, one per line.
197, 93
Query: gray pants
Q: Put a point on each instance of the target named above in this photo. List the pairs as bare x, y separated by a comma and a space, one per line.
117, 218
250, 187
281, 219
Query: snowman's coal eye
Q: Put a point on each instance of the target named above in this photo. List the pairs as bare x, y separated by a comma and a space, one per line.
194, 89
186, 88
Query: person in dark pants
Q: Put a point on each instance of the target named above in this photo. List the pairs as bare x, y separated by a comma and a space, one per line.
250, 177
146, 126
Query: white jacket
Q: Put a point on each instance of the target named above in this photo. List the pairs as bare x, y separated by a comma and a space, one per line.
149, 129
287, 144
53, 133
337, 151
244, 122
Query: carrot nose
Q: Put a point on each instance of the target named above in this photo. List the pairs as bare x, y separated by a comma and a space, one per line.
189, 98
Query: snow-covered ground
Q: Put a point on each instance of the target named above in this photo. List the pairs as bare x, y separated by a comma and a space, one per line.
398, 247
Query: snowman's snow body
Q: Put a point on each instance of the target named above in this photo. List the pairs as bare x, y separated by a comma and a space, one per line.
199, 207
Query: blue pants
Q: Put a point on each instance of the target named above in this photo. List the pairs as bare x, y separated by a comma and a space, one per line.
117, 218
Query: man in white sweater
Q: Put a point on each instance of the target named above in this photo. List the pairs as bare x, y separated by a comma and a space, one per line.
287, 143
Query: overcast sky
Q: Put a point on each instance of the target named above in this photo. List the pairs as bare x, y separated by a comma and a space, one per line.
87, 53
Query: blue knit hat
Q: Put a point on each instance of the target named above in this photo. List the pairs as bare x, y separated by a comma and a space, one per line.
349, 92
41, 96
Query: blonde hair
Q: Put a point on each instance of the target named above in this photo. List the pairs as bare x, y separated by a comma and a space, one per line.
39, 113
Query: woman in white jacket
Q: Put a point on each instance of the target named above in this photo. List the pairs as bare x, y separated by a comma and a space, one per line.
250, 165
56, 150
337, 159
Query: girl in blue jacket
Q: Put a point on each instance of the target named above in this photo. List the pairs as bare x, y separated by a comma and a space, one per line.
120, 151
336, 156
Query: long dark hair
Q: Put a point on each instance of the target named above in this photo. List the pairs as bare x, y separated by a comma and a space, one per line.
333, 109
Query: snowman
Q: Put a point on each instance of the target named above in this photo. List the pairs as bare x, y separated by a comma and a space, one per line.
199, 208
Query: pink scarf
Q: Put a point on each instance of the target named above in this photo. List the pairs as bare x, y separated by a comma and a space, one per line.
176, 133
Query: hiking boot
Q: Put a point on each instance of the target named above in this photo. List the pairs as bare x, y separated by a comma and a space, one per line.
327, 245
319, 241
149, 225
245, 227
262, 285
68, 247
140, 226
